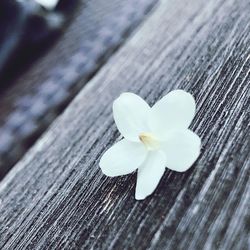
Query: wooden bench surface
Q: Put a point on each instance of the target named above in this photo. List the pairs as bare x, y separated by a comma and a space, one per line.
56, 197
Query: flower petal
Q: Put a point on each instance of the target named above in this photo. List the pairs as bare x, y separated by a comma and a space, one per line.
123, 158
182, 148
48, 4
149, 174
130, 114
174, 111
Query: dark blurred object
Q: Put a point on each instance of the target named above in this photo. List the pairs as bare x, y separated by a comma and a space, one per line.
26, 30
29, 106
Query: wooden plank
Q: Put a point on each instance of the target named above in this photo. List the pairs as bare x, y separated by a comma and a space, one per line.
57, 197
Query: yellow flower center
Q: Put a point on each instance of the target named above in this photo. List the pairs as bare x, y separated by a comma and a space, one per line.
149, 141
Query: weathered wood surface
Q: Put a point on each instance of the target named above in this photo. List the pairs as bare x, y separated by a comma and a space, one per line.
57, 197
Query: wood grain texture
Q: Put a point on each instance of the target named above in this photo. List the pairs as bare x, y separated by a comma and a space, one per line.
57, 197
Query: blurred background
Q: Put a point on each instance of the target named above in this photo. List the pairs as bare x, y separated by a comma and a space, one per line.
49, 49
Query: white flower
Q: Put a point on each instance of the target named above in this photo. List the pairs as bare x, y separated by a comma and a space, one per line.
48, 4
154, 138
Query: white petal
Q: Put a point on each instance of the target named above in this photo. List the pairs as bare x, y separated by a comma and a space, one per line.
123, 158
130, 114
182, 148
49, 4
174, 111
149, 174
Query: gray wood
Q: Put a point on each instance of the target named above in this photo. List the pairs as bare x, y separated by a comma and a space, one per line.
57, 198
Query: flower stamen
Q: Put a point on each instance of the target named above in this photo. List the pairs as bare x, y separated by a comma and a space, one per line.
149, 141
